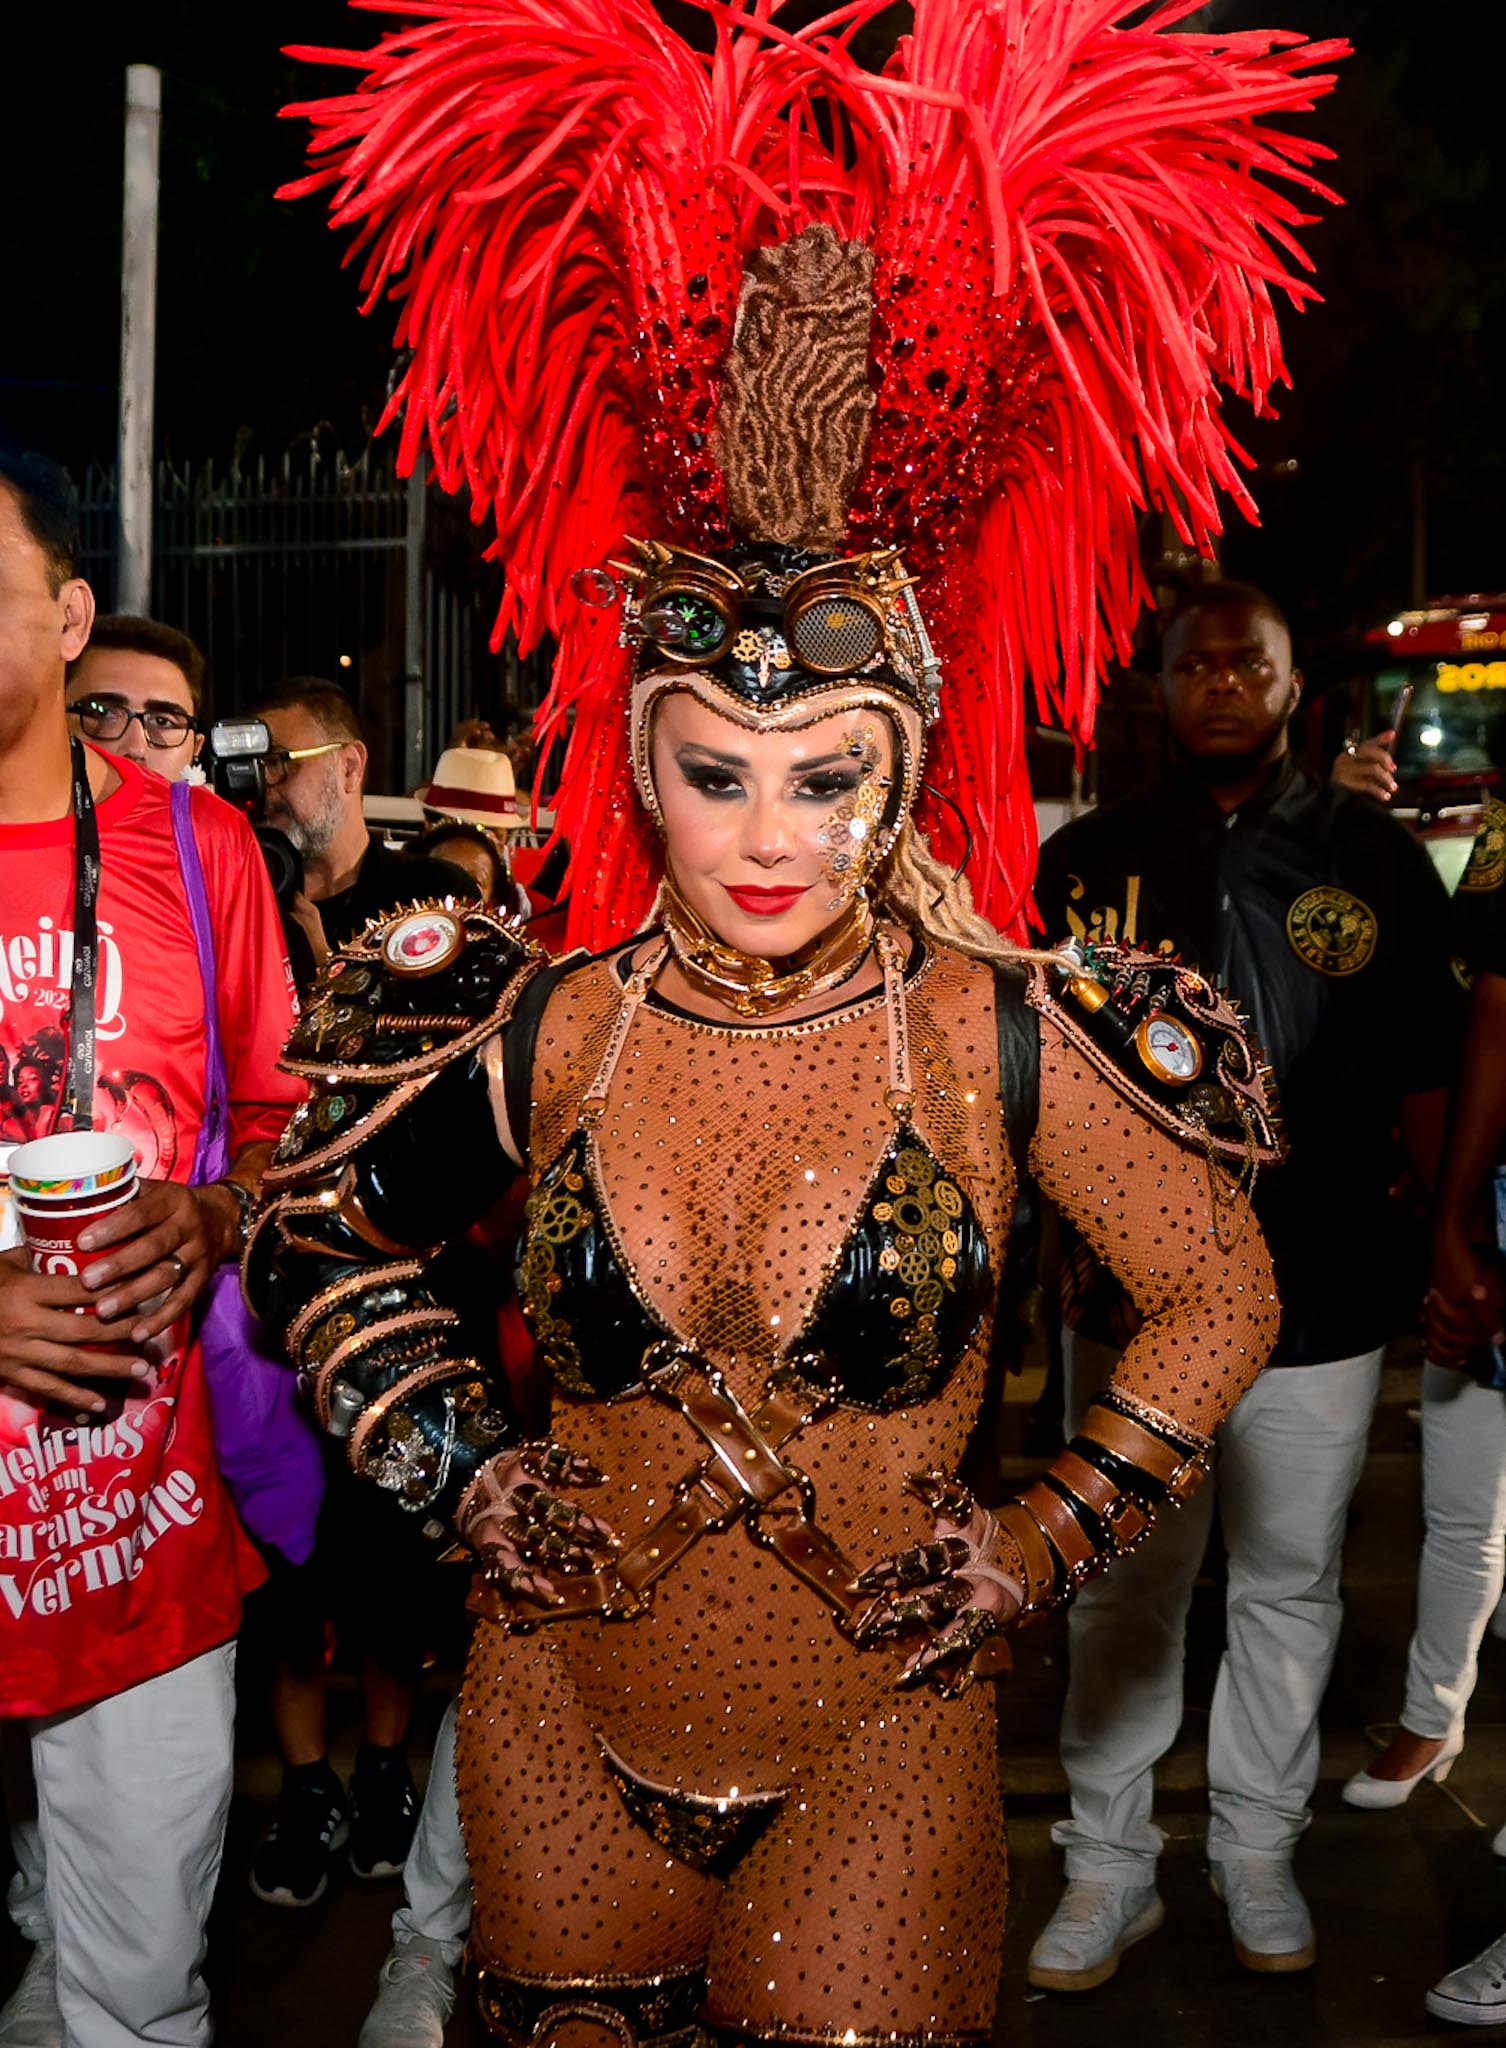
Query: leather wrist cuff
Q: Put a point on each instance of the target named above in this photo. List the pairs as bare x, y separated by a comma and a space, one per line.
1168, 1461
1099, 1499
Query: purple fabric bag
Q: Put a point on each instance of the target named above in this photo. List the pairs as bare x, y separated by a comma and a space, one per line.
267, 1448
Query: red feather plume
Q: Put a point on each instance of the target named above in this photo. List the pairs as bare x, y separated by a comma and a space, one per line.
1079, 227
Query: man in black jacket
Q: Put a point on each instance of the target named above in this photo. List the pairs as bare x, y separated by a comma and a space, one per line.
1326, 920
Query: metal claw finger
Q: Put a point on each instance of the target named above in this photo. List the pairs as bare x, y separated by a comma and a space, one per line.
518, 1580
921, 1565
942, 1495
558, 1465
932, 1607
956, 1644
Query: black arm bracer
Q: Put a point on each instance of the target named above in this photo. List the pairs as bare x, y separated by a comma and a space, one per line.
394, 1154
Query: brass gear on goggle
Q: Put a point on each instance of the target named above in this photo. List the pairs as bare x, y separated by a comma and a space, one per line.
836, 617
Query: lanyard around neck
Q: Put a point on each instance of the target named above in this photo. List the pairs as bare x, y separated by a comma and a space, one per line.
76, 1110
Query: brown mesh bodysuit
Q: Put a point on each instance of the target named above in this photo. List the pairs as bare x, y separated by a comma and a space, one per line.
862, 1897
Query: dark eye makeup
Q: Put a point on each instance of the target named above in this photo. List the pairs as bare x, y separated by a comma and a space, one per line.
710, 780
822, 786
829, 783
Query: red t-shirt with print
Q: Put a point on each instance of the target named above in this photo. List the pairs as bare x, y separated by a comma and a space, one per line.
121, 1556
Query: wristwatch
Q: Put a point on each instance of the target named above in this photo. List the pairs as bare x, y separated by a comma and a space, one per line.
245, 1203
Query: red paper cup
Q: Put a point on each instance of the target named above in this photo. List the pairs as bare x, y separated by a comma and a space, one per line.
52, 1231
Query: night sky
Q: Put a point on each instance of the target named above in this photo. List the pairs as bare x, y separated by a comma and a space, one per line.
1398, 376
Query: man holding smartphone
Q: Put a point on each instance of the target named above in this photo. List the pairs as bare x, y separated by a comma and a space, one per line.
1325, 919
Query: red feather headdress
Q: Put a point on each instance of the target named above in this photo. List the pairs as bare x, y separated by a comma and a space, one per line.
1080, 223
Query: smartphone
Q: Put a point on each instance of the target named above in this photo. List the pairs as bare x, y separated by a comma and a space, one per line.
1399, 711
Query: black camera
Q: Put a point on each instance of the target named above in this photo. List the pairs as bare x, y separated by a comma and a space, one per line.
238, 770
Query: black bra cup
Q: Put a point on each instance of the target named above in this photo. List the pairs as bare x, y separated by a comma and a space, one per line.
590, 1327
909, 1289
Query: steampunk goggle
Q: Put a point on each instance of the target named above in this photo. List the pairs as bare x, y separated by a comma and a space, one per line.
835, 617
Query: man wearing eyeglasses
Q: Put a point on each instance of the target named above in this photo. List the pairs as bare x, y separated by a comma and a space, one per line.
138, 690
315, 774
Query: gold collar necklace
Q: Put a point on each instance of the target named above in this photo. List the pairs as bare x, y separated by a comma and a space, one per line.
751, 985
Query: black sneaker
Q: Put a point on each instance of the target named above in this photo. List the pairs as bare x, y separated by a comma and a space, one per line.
291, 1868
383, 1815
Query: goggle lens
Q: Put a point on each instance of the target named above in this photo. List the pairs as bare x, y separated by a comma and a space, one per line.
833, 636
688, 623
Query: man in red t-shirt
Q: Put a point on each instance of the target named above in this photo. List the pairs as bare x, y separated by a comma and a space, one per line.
122, 1563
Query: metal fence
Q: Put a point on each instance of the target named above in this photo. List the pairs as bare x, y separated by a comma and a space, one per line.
311, 564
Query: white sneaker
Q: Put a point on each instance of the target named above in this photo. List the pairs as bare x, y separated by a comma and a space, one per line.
416, 1998
1474, 1995
1080, 1945
31, 2018
1268, 1915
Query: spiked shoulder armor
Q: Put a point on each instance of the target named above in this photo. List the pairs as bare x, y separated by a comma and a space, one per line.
402, 1001
394, 1154
1172, 1042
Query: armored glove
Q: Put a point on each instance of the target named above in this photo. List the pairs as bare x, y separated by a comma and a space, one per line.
951, 1586
526, 1534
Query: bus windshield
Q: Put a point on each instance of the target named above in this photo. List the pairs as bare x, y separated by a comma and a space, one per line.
1456, 723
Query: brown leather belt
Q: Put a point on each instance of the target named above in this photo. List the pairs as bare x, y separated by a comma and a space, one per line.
744, 1475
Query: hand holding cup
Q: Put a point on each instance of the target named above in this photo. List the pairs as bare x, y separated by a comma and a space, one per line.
51, 1337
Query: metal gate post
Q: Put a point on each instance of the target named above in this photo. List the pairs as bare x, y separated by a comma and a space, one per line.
416, 748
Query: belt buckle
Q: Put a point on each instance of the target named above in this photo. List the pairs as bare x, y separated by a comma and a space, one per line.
1186, 1479
1120, 1511
666, 1364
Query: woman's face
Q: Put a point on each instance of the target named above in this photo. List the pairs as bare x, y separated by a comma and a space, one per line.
769, 833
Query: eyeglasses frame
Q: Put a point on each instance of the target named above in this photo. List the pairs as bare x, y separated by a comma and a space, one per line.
75, 710
286, 756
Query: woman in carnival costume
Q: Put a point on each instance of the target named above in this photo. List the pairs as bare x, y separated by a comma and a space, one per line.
813, 409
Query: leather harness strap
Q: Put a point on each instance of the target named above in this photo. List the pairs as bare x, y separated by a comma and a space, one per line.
743, 1475
1180, 1468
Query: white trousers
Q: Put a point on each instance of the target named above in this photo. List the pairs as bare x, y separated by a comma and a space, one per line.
1459, 1577
1289, 1458
436, 1904
118, 1854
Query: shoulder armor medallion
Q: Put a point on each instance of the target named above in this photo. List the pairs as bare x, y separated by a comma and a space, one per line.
1178, 1046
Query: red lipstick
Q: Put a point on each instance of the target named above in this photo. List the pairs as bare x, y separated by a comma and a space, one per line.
766, 902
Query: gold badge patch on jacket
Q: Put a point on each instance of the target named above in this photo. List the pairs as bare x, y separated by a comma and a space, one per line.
1331, 930
1487, 860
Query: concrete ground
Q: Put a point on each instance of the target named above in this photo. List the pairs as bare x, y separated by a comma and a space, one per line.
1397, 1897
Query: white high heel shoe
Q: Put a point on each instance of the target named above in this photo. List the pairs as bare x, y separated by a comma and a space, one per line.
1376, 1794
